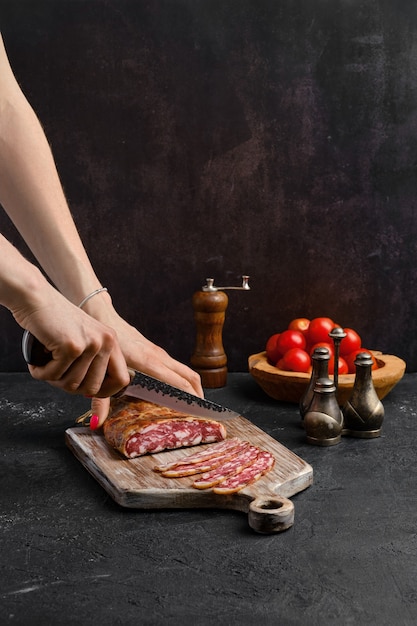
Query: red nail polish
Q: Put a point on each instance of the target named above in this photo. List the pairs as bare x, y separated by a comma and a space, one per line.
94, 422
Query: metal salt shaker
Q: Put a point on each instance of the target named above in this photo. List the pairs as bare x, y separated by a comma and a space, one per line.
320, 359
363, 412
323, 422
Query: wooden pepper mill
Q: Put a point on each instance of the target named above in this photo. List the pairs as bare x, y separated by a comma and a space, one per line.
209, 358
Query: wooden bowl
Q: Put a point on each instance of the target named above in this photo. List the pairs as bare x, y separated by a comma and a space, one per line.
290, 386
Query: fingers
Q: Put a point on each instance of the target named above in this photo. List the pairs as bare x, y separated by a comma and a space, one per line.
189, 380
143, 355
174, 373
96, 369
100, 410
97, 382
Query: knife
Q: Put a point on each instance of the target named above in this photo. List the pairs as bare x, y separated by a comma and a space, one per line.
142, 386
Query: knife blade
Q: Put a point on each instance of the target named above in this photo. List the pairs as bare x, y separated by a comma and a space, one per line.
146, 387
142, 386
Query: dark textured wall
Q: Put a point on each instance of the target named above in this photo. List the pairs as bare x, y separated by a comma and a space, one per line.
200, 138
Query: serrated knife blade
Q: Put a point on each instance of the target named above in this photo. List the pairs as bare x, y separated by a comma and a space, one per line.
143, 387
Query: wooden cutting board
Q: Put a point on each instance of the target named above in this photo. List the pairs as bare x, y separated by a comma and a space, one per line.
133, 483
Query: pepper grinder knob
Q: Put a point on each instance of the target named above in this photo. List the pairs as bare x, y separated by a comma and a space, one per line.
209, 358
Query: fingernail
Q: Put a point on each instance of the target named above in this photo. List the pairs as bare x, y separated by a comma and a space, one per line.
94, 422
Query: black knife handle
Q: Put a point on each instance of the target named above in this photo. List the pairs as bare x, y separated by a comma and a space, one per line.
34, 352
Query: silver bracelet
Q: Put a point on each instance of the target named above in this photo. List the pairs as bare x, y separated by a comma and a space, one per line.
90, 295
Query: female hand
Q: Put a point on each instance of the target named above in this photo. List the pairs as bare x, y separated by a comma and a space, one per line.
90, 357
90, 347
86, 356
140, 354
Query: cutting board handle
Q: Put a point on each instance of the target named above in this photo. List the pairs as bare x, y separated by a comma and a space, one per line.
270, 514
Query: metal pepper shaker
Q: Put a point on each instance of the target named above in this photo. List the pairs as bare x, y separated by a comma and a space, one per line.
363, 412
323, 422
320, 360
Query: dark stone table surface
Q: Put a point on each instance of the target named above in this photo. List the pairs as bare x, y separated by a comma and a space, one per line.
70, 555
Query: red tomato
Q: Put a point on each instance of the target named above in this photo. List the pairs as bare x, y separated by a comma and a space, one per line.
343, 367
319, 329
296, 360
271, 349
323, 344
351, 342
350, 360
301, 324
290, 339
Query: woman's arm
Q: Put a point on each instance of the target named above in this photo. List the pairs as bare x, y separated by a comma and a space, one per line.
32, 195
86, 355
